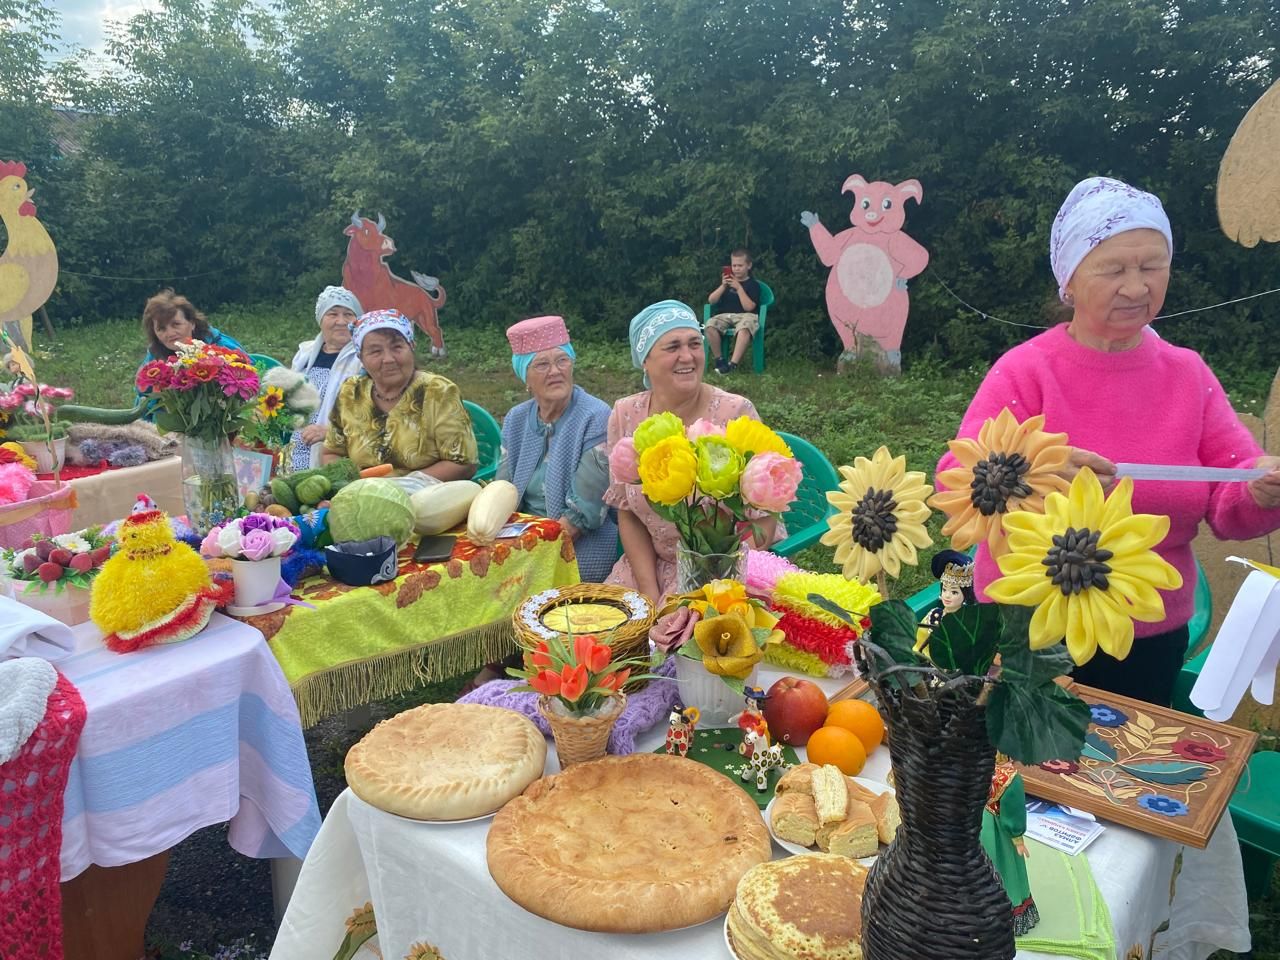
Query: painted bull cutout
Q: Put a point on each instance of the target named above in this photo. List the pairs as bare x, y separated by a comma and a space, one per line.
367, 276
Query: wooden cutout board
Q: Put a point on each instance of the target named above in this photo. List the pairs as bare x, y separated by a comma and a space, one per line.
1192, 763
1249, 178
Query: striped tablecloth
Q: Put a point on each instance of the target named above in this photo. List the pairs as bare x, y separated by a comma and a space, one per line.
181, 737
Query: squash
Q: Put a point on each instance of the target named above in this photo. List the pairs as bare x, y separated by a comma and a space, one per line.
443, 506
490, 511
78, 414
313, 489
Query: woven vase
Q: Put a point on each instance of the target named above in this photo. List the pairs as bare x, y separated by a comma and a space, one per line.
933, 894
579, 739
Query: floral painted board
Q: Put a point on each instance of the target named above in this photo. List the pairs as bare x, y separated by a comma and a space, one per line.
1161, 772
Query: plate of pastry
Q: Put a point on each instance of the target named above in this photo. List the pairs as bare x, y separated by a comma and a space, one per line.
819, 808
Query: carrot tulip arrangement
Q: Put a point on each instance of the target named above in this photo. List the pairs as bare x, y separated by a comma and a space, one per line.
578, 671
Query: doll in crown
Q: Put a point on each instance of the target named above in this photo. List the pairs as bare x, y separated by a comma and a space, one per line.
954, 571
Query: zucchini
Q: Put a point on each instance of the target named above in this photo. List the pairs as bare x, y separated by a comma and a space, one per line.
78, 414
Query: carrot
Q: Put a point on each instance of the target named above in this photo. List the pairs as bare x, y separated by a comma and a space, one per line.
381, 470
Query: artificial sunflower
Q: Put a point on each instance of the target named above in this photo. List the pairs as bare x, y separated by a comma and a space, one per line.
1010, 466
271, 401
882, 515
1088, 567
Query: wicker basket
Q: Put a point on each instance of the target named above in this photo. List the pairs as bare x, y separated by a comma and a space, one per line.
46, 511
628, 639
579, 739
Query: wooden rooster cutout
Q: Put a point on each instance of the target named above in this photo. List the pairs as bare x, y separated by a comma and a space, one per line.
29, 264
1249, 178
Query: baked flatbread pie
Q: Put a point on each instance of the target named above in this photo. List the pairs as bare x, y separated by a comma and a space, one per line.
807, 906
446, 761
631, 844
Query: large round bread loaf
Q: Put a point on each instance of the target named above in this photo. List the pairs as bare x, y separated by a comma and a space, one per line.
446, 761
629, 844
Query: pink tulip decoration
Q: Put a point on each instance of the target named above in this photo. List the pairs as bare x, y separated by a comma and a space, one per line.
623, 462
770, 481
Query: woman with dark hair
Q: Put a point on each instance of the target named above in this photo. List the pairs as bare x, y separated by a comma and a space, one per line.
954, 571
169, 319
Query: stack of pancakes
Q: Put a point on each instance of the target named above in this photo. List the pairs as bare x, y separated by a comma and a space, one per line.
808, 906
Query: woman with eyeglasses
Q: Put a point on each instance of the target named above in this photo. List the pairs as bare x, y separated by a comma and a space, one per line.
553, 444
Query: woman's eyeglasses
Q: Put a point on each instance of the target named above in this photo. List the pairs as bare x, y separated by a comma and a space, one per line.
544, 366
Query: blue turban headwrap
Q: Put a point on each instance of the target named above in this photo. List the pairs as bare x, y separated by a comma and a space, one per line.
648, 326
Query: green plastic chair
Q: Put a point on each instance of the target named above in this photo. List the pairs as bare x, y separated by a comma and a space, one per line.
263, 362
757, 342
1255, 810
488, 440
1198, 629
806, 519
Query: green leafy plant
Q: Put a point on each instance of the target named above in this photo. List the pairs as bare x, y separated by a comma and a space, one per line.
985, 648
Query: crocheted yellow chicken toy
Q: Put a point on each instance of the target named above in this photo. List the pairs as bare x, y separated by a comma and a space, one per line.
154, 590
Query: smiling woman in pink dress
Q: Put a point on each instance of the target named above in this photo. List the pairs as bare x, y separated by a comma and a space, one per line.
666, 343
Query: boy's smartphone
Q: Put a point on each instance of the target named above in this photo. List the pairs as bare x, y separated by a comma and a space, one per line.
434, 549
726, 272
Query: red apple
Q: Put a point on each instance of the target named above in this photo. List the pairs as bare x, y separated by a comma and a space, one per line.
794, 709
48, 572
81, 563
61, 556
101, 555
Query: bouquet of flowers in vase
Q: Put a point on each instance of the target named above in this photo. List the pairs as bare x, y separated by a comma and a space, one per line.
718, 486
258, 536
284, 402
203, 391
717, 629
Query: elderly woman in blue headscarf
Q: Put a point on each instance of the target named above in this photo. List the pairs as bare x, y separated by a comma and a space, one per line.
666, 343
553, 444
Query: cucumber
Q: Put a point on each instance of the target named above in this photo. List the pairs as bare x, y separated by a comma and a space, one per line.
78, 414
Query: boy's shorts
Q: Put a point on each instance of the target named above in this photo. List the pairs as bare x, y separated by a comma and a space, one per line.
726, 322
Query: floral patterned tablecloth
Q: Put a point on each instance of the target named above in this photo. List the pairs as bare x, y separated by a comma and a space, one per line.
434, 621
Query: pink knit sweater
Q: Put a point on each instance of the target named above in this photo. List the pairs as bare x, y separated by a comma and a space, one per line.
1156, 403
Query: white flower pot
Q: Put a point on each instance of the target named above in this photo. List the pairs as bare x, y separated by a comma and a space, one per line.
709, 693
255, 581
48, 454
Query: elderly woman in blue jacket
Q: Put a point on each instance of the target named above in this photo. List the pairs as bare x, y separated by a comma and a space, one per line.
553, 444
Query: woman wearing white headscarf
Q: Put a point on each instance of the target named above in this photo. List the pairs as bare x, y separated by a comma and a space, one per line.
1123, 394
327, 361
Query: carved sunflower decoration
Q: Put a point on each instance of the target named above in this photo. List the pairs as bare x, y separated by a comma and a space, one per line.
1011, 466
1088, 567
882, 512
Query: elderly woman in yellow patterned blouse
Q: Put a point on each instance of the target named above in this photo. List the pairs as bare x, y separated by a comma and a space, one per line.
398, 414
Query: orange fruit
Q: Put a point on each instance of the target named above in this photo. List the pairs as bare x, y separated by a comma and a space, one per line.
836, 745
859, 718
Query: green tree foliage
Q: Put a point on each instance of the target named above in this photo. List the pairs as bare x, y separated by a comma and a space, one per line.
587, 157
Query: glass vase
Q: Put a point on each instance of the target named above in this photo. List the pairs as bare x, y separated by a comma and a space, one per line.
695, 570
209, 490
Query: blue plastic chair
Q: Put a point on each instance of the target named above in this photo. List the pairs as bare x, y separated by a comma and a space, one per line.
757, 342
806, 518
488, 440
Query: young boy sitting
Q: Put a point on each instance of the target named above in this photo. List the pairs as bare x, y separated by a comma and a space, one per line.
737, 303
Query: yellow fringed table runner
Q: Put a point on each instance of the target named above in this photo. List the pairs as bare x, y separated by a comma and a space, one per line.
434, 621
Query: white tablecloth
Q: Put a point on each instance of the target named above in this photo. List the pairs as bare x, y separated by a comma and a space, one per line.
180, 737
429, 883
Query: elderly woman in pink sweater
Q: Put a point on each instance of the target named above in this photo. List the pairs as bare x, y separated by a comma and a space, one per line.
1123, 394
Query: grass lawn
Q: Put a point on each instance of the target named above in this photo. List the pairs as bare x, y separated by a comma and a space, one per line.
844, 416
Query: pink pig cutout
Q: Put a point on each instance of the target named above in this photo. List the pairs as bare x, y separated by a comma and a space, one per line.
871, 263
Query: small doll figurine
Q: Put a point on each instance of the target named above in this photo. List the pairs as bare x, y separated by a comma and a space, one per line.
954, 571
751, 720
1004, 821
680, 726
